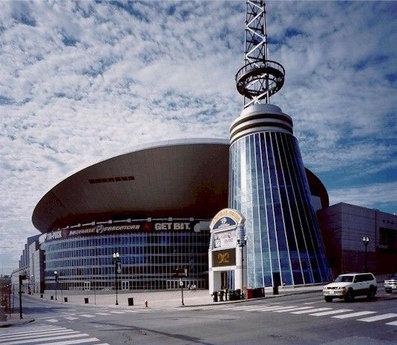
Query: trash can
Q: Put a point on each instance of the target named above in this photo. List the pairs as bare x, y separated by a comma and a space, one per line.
130, 301
65, 299
86, 300
221, 294
215, 296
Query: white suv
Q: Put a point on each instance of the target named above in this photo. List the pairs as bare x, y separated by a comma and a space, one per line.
350, 285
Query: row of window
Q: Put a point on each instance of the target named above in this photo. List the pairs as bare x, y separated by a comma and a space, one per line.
142, 256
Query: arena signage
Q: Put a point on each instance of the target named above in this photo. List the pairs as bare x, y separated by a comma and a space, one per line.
222, 258
120, 228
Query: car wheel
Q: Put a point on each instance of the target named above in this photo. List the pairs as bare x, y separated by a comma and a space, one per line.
328, 299
349, 297
371, 294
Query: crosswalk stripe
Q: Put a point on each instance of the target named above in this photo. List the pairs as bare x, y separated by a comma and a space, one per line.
378, 317
393, 323
331, 312
359, 313
264, 308
87, 315
102, 313
42, 329
70, 318
285, 310
55, 337
43, 335
52, 320
78, 341
117, 312
308, 311
12, 336
310, 302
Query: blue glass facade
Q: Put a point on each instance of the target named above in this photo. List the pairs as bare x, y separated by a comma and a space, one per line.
268, 185
148, 260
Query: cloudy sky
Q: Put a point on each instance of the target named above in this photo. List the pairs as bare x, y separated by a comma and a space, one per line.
83, 81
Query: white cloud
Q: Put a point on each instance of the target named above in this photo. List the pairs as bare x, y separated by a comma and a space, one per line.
368, 196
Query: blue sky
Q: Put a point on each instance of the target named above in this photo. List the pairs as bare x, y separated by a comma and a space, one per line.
83, 81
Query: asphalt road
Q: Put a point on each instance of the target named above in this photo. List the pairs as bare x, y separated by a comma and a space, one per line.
299, 319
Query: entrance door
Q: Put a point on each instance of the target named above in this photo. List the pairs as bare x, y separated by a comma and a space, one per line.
227, 280
125, 285
87, 286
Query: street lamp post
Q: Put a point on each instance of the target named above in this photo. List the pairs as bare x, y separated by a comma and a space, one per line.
242, 242
116, 261
56, 284
365, 240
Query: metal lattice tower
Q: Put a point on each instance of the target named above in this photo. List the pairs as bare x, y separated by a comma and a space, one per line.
260, 77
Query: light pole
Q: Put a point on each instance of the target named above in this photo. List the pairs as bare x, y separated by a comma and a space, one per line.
56, 284
365, 240
116, 261
242, 242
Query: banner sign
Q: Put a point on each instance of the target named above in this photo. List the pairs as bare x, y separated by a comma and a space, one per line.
224, 257
226, 219
137, 226
226, 239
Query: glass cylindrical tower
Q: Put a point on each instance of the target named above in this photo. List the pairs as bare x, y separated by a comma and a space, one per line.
268, 185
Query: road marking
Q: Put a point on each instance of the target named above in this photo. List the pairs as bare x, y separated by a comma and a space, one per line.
394, 323
42, 329
378, 317
285, 310
102, 313
78, 341
31, 334
70, 318
331, 312
55, 337
51, 320
359, 313
311, 302
42, 335
117, 312
264, 308
87, 315
308, 311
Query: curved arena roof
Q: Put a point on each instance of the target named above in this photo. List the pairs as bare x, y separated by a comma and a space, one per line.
179, 178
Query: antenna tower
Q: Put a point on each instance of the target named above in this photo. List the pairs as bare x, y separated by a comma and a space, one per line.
260, 77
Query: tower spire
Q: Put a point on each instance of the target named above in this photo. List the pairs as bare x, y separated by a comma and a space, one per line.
260, 77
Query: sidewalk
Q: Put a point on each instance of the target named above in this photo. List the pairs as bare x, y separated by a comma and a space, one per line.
161, 299
14, 320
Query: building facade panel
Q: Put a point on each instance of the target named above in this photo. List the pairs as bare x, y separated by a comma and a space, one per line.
150, 253
269, 186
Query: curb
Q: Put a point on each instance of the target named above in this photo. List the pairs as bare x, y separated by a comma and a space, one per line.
250, 300
15, 323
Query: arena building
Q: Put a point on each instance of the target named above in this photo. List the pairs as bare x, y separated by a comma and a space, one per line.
153, 206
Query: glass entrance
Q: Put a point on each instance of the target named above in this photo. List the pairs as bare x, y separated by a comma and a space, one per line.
227, 280
87, 286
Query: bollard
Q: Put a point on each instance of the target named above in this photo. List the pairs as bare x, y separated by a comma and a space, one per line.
146, 303
52, 297
41, 295
86, 300
130, 301
65, 299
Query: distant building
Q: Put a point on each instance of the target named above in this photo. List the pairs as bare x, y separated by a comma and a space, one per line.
343, 227
31, 265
